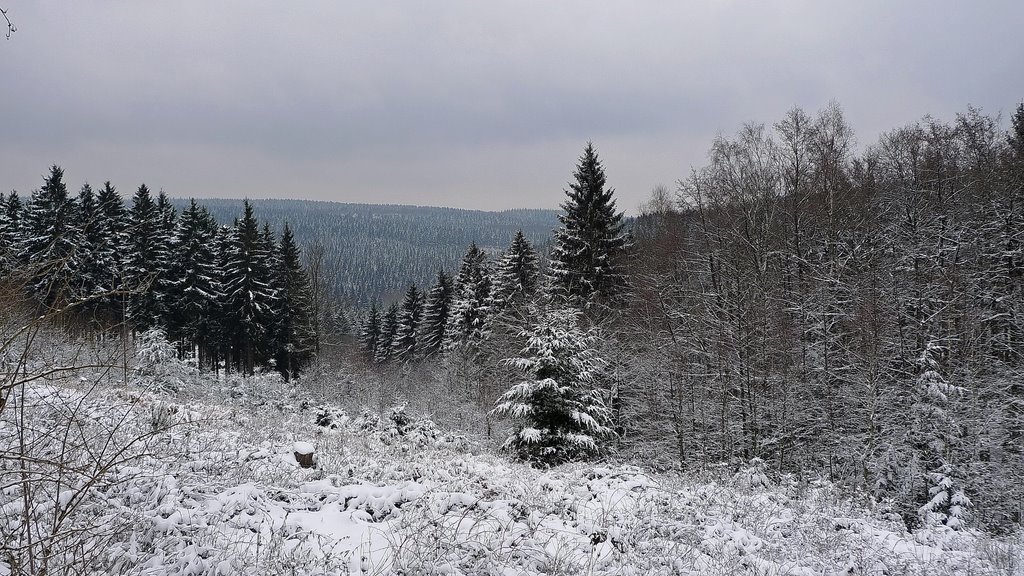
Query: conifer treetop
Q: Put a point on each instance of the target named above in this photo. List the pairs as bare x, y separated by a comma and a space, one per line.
586, 259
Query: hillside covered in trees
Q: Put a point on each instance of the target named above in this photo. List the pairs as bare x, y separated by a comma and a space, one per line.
372, 251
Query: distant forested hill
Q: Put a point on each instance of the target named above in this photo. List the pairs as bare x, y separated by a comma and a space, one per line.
374, 251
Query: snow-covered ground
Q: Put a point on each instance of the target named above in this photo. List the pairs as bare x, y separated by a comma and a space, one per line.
216, 489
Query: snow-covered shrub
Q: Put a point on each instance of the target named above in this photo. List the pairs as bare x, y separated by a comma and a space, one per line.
163, 415
158, 363
398, 419
259, 389
330, 417
153, 349
77, 497
367, 421
752, 475
422, 432
561, 414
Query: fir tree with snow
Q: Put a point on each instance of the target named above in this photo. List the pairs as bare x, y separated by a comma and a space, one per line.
436, 310
1015, 137
11, 211
586, 260
559, 410
410, 317
145, 262
516, 276
296, 331
111, 223
251, 298
388, 331
467, 321
93, 275
194, 284
369, 332
935, 437
50, 241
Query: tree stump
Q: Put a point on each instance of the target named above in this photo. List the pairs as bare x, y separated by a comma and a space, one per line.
304, 454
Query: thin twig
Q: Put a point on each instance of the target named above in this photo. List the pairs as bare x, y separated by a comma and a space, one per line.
11, 28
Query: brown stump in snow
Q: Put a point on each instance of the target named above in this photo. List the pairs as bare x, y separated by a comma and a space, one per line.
304, 454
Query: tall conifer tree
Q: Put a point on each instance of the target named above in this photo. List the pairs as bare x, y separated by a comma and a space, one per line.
250, 296
193, 283
50, 240
296, 342
470, 309
144, 261
369, 334
10, 231
111, 228
586, 261
516, 275
388, 331
435, 314
410, 316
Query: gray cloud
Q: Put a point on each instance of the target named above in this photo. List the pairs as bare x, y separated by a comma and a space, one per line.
463, 103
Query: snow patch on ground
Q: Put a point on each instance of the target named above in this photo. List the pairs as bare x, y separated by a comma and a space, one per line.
220, 492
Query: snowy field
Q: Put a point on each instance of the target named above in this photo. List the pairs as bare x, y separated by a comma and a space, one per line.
209, 484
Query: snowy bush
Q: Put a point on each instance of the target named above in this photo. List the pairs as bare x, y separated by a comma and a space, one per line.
158, 363
330, 417
752, 475
398, 419
367, 421
226, 496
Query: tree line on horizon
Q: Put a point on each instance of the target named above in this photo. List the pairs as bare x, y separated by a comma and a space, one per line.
372, 252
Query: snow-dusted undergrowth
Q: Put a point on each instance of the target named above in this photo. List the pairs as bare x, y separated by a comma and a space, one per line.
217, 490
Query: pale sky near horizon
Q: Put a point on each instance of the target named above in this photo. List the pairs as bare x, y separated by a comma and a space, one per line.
463, 103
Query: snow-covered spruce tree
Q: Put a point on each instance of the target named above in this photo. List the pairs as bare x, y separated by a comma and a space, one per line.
516, 276
194, 285
560, 411
166, 223
410, 316
50, 241
369, 332
87, 216
467, 321
250, 297
221, 322
145, 261
11, 211
101, 248
934, 435
586, 260
266, 348
436, 310
296, 330
388, 331
112, 218
1015, 137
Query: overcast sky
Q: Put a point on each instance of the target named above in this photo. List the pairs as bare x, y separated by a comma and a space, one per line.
472, 104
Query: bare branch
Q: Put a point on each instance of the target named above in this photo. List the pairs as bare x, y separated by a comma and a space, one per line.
11, 28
